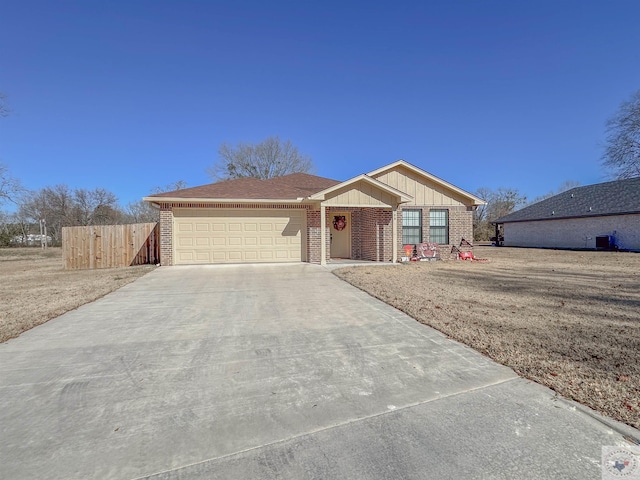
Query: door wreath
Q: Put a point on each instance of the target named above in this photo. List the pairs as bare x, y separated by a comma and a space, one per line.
339, 222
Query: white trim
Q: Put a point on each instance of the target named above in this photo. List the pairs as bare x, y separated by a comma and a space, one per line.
394, 234
323, 235
433, 178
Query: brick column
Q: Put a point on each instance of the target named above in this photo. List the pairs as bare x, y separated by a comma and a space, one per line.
313, 236
166, 235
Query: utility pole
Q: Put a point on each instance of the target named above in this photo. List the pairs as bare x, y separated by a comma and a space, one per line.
43, 234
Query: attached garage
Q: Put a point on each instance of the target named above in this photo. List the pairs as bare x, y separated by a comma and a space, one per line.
204, 236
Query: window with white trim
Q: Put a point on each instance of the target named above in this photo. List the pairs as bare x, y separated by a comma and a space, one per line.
439, 226
411, 227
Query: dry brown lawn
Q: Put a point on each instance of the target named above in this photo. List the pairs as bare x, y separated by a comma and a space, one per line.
569, 320
34, 288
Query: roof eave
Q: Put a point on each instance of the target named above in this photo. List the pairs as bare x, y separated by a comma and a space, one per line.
224, 200
565, 217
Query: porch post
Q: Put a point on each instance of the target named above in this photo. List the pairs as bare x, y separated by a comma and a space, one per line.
394, 233
323, 235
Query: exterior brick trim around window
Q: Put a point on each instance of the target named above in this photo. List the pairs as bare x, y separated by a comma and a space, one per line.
460, 226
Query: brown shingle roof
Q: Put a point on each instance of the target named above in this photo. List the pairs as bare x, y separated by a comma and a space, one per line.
287, 187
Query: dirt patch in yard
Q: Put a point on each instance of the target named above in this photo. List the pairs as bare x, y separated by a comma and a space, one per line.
35, 288
569, 320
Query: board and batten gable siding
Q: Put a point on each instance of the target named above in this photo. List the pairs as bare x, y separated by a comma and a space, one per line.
574, 232
360, 194
422, 191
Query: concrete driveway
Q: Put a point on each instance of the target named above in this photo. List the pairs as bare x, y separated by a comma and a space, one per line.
273, 372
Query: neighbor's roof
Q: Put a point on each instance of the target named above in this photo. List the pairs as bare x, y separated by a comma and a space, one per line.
287, 187
610, 198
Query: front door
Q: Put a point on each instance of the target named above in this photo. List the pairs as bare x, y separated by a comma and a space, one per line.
340, 235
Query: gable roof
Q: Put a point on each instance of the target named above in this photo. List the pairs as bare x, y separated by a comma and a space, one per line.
610, 198
287, 187
403, 197
476, 200
295, 187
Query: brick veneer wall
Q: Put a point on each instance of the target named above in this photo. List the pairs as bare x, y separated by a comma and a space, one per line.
371, 233
376, 237
166, 235
460, 226
574, 232
313, 236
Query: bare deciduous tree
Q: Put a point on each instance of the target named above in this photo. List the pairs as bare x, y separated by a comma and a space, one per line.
10, 187
55, 205
143, 212
500, 202
267, 159
622, 149
179, 185
62, 207
95, 207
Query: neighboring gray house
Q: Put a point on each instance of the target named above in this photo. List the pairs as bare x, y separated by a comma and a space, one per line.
605, 215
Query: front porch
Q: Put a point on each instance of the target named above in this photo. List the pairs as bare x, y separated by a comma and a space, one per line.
357, 220
360, 233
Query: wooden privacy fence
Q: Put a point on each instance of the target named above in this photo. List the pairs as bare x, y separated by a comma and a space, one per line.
104, 246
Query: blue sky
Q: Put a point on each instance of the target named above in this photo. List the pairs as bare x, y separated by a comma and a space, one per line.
129, 95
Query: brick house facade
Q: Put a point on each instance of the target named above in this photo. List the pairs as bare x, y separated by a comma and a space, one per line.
281, 219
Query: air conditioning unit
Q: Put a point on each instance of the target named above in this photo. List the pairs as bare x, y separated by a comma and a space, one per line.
604, 242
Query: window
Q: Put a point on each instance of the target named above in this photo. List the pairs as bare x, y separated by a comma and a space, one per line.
439, 226
411, 227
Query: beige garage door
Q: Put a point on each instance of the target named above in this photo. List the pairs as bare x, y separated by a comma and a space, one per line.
238, 236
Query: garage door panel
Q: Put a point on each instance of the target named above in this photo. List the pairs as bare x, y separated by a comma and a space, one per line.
234, 236
235, 256
218, 256
203, 242
202, 256
185, 256
185, 242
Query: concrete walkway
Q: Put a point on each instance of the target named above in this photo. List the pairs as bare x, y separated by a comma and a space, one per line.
273, 372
